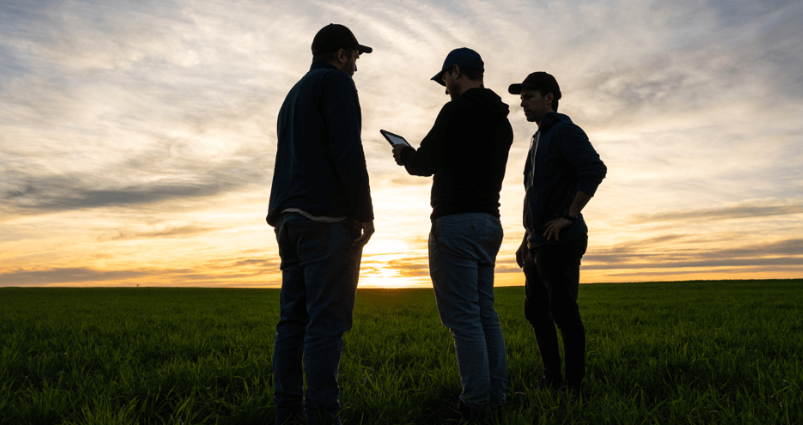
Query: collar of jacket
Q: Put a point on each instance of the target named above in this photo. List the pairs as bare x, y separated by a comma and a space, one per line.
321, 64
552, 118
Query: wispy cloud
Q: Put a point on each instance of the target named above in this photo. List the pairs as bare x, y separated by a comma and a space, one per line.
246, 272
750, 210
59, 192
169, 232
410, 266
659, 253
67, 275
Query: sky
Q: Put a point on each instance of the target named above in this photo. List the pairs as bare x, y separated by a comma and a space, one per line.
137, 139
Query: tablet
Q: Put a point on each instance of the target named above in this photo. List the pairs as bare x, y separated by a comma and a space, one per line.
394, 139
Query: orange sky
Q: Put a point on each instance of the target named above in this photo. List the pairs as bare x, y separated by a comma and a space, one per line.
137, 141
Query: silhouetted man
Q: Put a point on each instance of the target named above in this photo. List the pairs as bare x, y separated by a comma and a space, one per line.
561, 174
320, 206
467, 151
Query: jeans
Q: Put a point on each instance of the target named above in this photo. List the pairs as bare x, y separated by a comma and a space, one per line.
552, 271
320, 269
462, 255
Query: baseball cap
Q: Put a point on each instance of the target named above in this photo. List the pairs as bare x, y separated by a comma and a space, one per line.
538, 81
334, 37
462, 57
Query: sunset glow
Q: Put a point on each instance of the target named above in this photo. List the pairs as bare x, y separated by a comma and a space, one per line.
137, 139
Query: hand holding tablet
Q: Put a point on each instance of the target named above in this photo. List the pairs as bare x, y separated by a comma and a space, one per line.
398, 143
394, 139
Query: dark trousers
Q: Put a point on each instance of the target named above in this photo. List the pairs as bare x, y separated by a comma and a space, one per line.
320, 269
552, 270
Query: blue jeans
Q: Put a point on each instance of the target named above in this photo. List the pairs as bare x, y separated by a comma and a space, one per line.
320, 269
462, 255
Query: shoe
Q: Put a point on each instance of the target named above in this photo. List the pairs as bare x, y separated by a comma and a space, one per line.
465, 411
542, 383
573, 393
470, 415
296, 418
519, 397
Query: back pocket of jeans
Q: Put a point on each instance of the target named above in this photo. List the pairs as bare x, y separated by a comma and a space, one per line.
310, 239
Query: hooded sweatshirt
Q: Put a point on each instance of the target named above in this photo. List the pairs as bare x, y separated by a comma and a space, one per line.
467, 152
561, 163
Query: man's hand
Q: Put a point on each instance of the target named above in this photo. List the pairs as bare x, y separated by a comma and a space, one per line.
521, 253
554, 227
397, 153
367, 231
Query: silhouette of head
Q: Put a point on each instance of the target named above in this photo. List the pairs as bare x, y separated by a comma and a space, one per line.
337, 45
469, 62
542, 82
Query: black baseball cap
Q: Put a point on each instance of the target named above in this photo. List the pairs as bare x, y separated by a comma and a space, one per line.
462, 57
538, 81
334, 37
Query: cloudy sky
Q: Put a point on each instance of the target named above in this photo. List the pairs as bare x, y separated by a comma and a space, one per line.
137, 139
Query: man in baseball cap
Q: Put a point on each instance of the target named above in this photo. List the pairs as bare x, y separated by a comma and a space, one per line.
466, 151
561, 175
334, 37
464, 58
539, 81
320, 193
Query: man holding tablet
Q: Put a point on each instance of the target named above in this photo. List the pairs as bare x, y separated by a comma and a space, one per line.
466, 150
320, 205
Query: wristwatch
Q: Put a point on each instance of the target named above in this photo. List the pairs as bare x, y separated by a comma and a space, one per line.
565, 214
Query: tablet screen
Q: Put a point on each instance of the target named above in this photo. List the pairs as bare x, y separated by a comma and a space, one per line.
394, 139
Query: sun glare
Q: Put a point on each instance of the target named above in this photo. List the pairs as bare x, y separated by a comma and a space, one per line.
387, 261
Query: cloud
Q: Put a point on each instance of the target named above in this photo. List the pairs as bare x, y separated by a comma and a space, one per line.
167, 232
253, 262
149, 277
410, 266
707, 263
67, 275
642, 275
243, 265
59, 195
32, 189
648, 254
165, 112
750, 210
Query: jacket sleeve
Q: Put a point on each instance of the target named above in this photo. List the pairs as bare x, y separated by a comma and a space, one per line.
431, 155
575, 146
341, 111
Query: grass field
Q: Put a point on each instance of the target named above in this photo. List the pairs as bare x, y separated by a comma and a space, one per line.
689, 352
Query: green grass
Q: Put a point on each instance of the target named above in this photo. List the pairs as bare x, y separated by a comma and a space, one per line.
689, 352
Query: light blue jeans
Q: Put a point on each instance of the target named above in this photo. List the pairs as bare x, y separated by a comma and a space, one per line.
320, 269
462, 256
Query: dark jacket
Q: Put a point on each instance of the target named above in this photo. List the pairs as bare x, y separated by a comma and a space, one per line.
320, 163
565, 163
467, 152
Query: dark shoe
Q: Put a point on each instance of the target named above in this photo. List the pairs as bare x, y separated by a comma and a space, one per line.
573, 394
470, 415
295, 418
465, 412
518, 399
542, 383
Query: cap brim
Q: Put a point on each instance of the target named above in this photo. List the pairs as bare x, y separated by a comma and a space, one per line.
364, 49
438, 78
516, 88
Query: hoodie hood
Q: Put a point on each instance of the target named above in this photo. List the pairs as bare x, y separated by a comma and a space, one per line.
487, 99
552, 118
